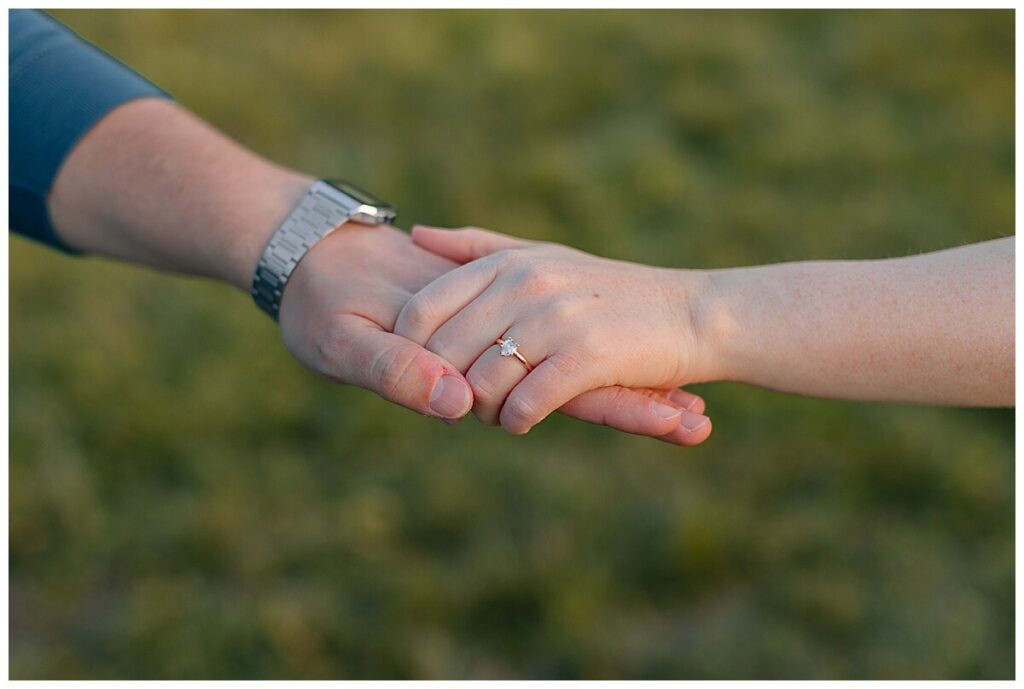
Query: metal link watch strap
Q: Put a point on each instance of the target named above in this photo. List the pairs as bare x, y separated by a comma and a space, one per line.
319, 213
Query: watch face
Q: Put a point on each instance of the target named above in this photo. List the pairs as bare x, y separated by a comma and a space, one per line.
360, 195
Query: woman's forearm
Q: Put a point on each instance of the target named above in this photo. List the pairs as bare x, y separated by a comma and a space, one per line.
933, 328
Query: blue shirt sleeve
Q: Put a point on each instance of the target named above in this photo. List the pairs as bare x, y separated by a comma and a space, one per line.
59, 87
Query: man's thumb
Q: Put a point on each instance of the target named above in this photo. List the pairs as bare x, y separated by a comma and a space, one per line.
402, 372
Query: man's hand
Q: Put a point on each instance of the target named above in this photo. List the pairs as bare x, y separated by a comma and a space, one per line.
339, 308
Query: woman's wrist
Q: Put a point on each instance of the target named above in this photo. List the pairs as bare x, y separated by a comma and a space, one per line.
698, 309
704, 309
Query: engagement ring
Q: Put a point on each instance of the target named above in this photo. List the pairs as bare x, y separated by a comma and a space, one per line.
509, 347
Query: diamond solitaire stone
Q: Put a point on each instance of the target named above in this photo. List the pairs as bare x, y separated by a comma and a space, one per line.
508, 347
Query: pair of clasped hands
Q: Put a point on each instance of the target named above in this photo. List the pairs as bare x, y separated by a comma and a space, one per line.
417, 317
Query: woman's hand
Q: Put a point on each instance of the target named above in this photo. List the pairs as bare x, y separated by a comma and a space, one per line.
583, 322
340, 308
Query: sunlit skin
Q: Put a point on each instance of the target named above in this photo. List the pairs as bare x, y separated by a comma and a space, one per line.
153, 184
612, 341
936, 328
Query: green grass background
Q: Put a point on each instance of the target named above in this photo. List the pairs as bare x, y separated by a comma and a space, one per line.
186, 501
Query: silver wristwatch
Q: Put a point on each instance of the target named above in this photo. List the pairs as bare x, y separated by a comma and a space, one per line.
326, 206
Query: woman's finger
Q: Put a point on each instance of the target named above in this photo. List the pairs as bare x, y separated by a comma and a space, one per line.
491, 377
465, 245
469, 333
558, 379
432, 306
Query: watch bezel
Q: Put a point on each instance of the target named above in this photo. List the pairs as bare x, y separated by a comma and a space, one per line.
363, 206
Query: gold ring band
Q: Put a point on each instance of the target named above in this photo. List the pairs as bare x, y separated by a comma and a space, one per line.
513, 350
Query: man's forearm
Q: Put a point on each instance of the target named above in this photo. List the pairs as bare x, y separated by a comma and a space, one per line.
153, 184
935, 328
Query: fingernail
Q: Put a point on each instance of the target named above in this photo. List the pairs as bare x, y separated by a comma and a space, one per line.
450, 398
665, 411
693, 422
685, 399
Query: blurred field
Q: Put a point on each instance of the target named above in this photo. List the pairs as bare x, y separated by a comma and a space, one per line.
187, 502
